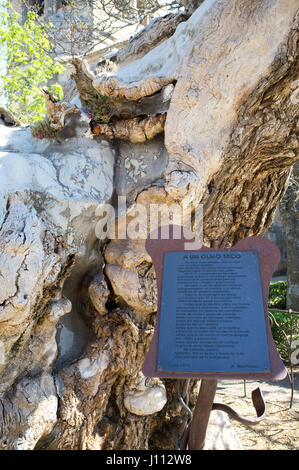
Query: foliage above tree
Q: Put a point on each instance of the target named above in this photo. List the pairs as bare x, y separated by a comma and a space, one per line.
26, 52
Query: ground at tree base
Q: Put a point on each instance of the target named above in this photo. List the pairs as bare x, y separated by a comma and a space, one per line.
280, 428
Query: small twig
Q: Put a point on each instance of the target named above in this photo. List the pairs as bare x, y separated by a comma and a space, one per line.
181, 400
244, 387
290, 311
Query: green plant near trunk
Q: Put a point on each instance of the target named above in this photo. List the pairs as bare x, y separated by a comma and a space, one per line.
283, 326
43, 130
29, 65
278, 294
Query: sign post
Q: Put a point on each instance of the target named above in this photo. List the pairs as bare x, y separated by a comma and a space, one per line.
212, 321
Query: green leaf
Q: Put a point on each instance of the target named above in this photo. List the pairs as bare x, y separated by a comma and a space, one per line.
29, 64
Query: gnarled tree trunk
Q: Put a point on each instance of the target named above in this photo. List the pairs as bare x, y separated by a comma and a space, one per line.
76, 313
289, 210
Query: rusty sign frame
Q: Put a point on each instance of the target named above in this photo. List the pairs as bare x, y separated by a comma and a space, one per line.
268, 255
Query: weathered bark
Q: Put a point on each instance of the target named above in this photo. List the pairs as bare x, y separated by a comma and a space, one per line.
152, 35
57, 111
289, 210
229, 143
132, 129
8, 118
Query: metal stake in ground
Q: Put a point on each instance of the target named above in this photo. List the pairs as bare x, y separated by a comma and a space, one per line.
201, 414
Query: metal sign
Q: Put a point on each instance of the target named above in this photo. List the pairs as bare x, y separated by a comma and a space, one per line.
212, 314
212, 321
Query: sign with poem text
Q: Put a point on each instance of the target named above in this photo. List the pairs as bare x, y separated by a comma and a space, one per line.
212, 315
